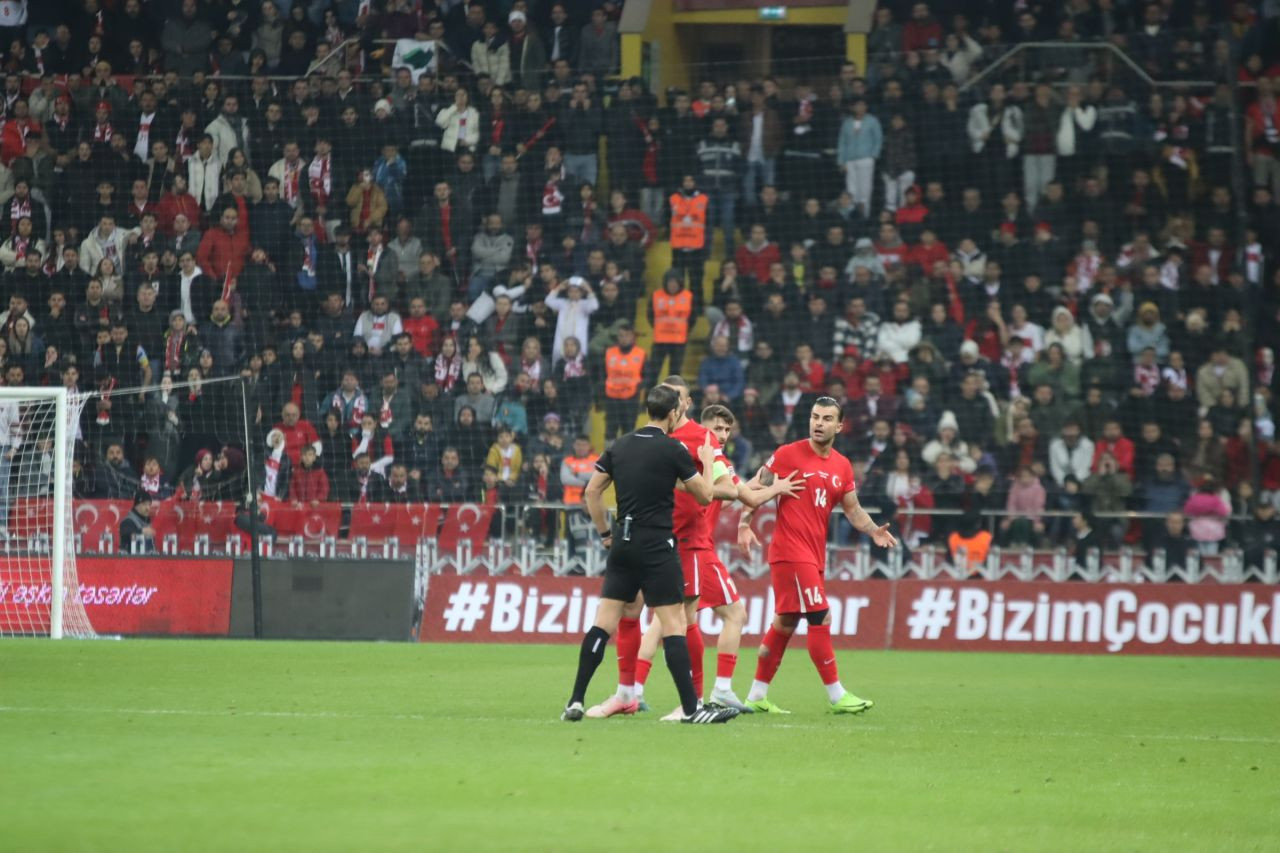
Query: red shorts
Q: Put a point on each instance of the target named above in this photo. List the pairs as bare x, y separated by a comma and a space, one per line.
692, 561
718, 588
797, 587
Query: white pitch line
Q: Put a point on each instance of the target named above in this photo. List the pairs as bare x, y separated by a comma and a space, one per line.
856, 727
195, 712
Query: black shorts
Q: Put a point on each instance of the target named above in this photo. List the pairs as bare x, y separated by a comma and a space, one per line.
648, 563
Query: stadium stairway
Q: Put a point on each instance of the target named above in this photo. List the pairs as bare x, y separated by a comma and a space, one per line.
657, 262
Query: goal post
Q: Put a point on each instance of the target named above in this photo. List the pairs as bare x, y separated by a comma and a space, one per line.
39, 587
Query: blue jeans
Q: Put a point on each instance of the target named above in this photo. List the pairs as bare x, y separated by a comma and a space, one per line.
584, 167
759, 173
479, 284
723, 206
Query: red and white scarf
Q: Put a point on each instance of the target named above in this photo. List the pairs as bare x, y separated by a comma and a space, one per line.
319, 179
447, 372
1147, 378
272, 475
173, 350
384, 414
185, 145
19, 208
103, 132
371, 263
552, 198
292, 177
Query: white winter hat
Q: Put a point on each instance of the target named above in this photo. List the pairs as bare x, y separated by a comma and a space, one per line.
948, 421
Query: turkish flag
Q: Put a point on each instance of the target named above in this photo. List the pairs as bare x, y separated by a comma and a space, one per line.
469, 522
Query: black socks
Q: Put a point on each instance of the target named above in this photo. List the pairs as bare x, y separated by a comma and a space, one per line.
676, 651
590, 657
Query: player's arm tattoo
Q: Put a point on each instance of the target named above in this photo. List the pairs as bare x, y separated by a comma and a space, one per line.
765, 477
858, 517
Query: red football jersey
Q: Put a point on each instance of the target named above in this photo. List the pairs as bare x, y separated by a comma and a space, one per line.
691, 519
713, 511
800, 531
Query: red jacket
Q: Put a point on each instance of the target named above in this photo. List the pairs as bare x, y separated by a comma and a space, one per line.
1121, 449
13, 143
220, 252
916, 35
926, 256
309, 484
425, 332
171, 205
294, 437
756, 264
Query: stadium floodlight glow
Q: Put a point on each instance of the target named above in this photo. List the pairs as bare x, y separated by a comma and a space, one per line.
39, 588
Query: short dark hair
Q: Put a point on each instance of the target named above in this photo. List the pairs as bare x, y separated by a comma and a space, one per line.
717, 412
660, 402
830, 403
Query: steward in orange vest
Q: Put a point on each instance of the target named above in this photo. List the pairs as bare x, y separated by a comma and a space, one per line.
688, 218
576, 469
623, 371
624, 366
671, 312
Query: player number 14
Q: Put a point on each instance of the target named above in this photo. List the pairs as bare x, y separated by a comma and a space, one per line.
819, 497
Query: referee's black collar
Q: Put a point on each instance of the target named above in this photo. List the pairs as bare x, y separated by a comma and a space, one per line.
649, 431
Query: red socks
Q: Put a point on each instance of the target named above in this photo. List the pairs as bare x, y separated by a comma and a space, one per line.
628, 650
725, 665
822, 653
774, 645
642, 671
697, 652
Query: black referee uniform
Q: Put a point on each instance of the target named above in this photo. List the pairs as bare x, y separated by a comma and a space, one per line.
643, 466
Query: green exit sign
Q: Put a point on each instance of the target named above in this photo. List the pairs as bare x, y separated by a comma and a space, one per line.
773, 13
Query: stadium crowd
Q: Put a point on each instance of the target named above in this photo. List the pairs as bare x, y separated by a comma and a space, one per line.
1055, 290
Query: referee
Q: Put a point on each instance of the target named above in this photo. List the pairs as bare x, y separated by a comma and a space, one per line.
645, 466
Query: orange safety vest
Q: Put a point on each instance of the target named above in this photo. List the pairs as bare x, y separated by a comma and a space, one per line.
688, 221
671, 314
976, 549
578, 465
622, 373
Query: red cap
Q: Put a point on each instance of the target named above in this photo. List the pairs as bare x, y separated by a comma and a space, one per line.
104, 105
1008, 228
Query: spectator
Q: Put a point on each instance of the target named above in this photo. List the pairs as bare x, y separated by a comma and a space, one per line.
859, 148
723, 369
897, 337
1208, 514
1070, 453
309, 484
1024, 524
450, 483
1223, 372
297, 431
397, 488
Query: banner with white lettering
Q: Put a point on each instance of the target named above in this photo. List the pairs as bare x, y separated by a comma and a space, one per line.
943, 615
1183, 619
475, 608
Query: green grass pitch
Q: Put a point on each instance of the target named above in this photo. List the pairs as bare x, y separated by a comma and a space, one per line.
239, 746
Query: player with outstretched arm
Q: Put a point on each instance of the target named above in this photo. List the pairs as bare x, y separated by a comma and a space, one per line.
798, 554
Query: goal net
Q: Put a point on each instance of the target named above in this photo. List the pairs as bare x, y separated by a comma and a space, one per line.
39, 589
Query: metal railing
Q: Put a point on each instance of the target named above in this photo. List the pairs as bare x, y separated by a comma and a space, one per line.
559, 539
